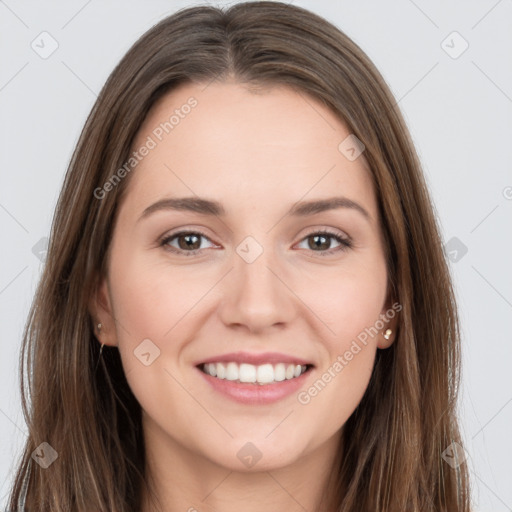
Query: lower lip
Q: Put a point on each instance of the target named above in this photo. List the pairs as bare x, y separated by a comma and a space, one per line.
255, 394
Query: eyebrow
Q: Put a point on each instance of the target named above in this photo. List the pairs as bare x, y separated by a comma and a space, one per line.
214, 208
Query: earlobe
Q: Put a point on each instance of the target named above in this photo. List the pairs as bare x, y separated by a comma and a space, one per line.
101, 315
388, 333
386, 337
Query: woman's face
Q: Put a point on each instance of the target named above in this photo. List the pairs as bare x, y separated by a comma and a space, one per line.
250, 282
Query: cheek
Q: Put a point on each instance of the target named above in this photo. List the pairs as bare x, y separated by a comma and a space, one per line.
349, 300
155, 302
351, 305
150, 298
151, 302
336, 391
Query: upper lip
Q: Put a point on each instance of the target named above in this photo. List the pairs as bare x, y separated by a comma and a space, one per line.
256, 358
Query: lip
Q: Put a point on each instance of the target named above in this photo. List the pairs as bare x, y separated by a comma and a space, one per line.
256, 394
255, 359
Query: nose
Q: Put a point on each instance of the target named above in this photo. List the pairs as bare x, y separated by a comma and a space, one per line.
256, 294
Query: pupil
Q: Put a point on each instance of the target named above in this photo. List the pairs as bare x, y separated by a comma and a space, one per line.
189, 245
316, 237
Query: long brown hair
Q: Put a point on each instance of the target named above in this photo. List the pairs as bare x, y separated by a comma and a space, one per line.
393, 443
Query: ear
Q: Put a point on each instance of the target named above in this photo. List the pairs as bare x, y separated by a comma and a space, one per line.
390, 317
100, 309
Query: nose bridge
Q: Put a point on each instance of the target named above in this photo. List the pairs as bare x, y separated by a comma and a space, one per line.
252, 269
257, 297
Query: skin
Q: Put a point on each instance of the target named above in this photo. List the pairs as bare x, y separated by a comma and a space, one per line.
257, 154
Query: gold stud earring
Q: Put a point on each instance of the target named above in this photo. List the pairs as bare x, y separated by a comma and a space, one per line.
387, 334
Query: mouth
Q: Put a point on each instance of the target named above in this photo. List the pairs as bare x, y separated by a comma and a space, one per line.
246, 373
255, 378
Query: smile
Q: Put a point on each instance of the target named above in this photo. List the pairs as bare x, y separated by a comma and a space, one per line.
263, 374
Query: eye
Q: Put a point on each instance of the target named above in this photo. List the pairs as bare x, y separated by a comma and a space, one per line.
189, 242
186, 240
321, 239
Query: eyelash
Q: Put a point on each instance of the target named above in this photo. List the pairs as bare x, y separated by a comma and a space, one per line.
345, 243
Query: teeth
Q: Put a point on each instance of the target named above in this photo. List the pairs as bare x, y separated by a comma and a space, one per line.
279, 372
232, 371
218, 368
212, 370
264, 373
249, 373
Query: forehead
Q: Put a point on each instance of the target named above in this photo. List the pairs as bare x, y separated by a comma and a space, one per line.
226, 142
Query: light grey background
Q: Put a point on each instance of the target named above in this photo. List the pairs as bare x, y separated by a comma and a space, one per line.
459, 111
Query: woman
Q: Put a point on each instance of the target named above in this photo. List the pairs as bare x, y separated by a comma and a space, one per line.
245, 301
